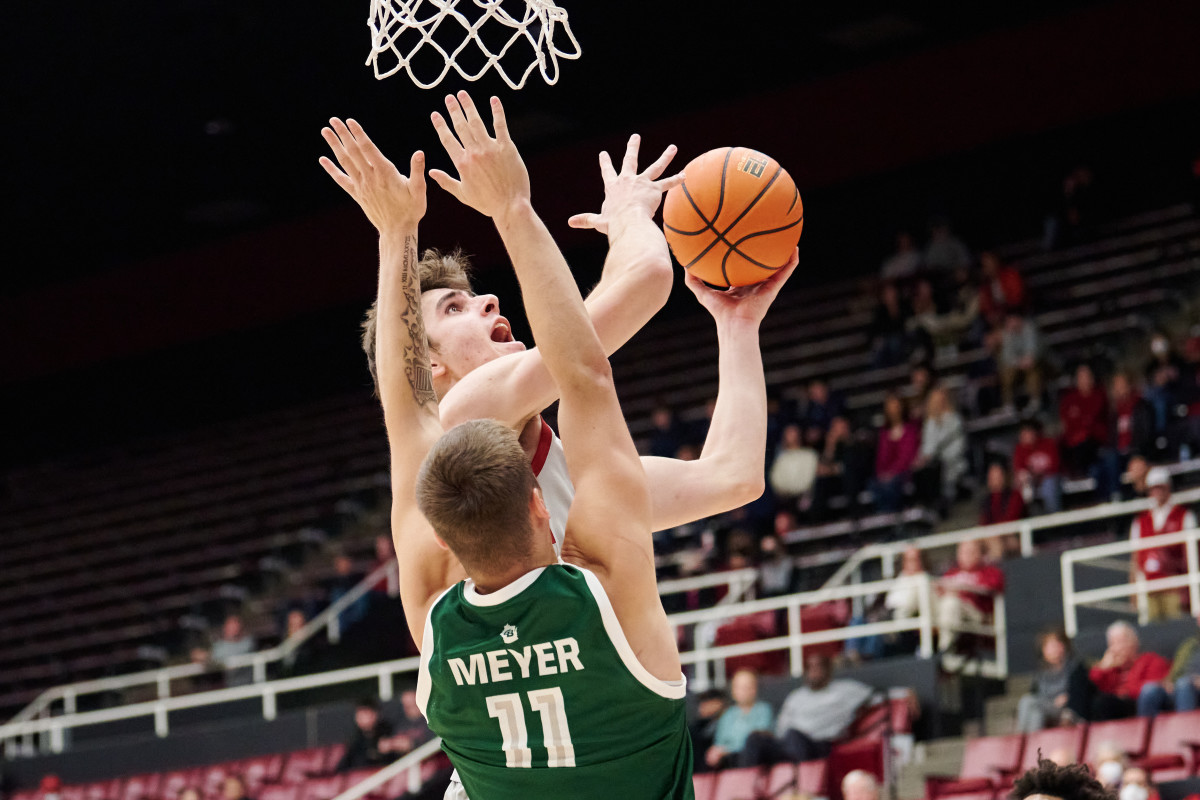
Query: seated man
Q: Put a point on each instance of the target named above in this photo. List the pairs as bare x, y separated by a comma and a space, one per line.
371, 743
1122, 674
746, 715
1181, 688
813, 717
968, 593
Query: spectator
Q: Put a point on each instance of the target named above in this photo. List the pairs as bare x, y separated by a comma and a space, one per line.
1061, 693
860, 785
927, 317
819, 411
1036, 463
1020, 354
968, 591
710, 707
371, 744
1110, 765
1084, 414
1002, 289
232, 788
300, 660
1049, 781
1136, 785
842, 469
1180, 690
942, 458
1131, 430
234, 641
1161, 562
905, 262
1122, 673
746, 715
345, 579
667, 436
412, 731
795, 467
812, 717
888, 331
945, 251
895, 455
902, 601
190, 793
1002, 503
916, 393
1133, 483
777, 573
385, 555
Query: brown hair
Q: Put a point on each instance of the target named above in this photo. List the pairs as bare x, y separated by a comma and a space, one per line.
1073, 782
1053, 632
436, 270
474, 488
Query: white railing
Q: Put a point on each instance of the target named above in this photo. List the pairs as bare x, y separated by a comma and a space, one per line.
411, 762
1140, 588
328, 620
20, 737
887, 552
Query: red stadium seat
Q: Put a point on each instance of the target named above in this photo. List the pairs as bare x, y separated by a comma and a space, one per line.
304, 764
703, 783
1127, 735
175, 782
323, 788
988, 762
357, 776
1048, 742
75, 792
333, 754
259, 770
103, 790
212, 777
874, 721
279, 792
1174, 749
738, 784
812, 778
141, 787
781, 777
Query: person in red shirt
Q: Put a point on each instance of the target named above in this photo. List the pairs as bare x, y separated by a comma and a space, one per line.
1122, 672
1161, 562
1036, 463
968, 593
895, 454
1130, 433
1001, 288
1003, 503
1084, 414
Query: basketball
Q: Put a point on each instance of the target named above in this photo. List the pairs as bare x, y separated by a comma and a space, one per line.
735, 219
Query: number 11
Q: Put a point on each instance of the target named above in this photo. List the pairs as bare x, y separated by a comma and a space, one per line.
508, 710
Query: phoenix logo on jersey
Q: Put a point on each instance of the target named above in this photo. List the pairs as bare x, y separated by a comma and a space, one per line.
509, 634
494, 666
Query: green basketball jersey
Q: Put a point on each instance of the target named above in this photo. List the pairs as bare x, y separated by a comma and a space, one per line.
536, 693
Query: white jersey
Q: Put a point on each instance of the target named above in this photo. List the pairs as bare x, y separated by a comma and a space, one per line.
550, 467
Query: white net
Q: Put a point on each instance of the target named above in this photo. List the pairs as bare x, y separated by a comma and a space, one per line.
402, 33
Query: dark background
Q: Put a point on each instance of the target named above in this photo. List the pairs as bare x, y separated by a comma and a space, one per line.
176, 255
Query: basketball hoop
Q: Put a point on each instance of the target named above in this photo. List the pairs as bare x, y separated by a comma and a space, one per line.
404, 29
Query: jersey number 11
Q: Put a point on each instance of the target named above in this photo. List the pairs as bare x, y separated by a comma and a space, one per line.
508, 710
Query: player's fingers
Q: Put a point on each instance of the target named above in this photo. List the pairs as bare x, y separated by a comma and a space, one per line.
416, 172
370, 152
339, 150
607, 173
583, 220
773, 284
660, 164
352, 148
459, 120
446, 182
453, 148
339, 177
478, 129
667, 184
629, 164
499, 121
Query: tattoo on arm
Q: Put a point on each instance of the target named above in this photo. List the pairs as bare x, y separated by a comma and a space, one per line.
416, 350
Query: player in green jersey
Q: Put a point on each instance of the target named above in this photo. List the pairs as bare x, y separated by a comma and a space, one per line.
540, 676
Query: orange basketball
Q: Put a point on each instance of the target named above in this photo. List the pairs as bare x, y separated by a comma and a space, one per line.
735, 219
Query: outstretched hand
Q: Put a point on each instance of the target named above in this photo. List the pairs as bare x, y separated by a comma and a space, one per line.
492, 178
390, 200
743, 302
629, 191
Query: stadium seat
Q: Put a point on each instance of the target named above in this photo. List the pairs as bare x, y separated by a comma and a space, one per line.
260, 770
812, 778
703, 783
1044, 743
779, 778
333, 754
1174, 748
737, 784
175, 782
102, 790
279, 792
322, 788
987, 762
882, 719
1127, 735
355, 777
304, 764
141, 787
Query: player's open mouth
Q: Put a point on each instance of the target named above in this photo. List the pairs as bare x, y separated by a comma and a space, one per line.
502, 333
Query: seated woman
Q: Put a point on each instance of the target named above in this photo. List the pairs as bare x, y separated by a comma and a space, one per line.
1061, 693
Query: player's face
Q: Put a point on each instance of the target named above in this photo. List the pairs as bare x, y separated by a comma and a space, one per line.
466, 329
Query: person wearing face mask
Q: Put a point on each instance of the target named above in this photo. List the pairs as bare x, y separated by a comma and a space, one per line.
1136, 785
1110, 765
1161, 562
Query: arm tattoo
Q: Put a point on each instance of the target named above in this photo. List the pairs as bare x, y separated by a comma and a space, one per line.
416, 351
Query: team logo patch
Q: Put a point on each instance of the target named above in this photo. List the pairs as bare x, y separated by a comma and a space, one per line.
509, 634
753, 163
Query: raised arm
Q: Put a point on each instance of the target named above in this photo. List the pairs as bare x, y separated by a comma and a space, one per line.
394, 205
609, 525
729, 472
634, 285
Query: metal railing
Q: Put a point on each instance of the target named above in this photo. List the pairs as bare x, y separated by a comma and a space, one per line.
410, 762
887, 552
20, 737
1140, 588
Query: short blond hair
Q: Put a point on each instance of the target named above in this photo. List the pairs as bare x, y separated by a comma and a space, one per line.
474, 488
436, 270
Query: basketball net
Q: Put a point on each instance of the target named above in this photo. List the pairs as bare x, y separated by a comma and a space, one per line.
401, 29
